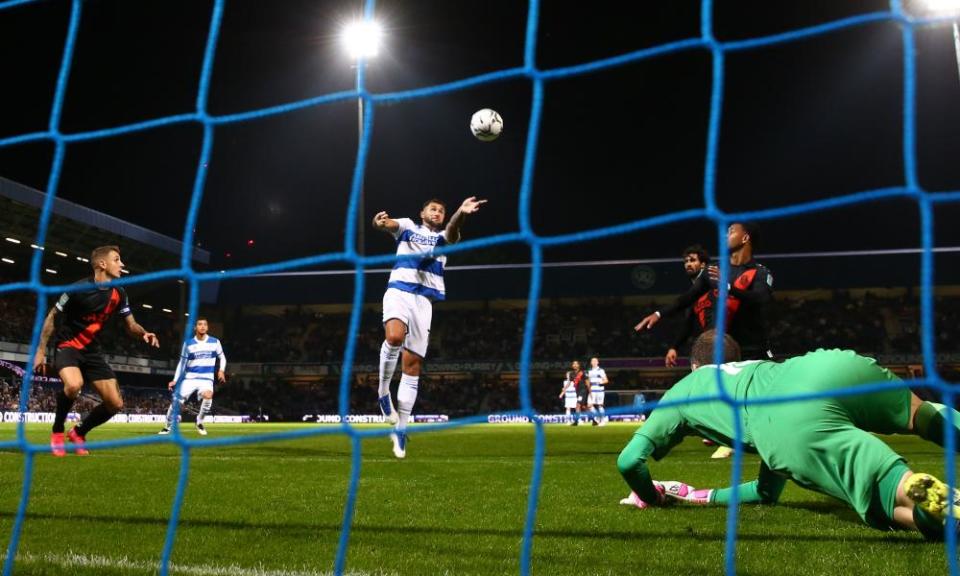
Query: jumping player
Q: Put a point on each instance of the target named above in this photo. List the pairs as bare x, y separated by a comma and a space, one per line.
415, 283
824, 444
78, 358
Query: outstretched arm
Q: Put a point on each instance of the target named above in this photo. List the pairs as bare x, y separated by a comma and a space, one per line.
469, 206
699, 287
766, 489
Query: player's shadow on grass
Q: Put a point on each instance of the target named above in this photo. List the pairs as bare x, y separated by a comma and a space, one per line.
293, 529
838, 511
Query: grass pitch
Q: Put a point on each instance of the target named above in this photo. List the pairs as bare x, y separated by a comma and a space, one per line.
456, 505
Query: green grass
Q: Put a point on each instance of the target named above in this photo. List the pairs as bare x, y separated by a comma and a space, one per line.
456, 505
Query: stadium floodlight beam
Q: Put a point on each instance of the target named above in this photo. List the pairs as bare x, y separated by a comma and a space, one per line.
945, 8
940, 6
362, 39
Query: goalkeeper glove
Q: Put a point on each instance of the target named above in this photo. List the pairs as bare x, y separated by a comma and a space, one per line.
634, 500
687, 493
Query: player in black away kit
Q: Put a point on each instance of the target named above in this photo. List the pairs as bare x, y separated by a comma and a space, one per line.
749, 293
78, 358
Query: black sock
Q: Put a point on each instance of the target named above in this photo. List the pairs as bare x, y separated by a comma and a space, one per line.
96, 417
64, 404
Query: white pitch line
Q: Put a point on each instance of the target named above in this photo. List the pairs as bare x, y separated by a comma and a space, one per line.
74, 560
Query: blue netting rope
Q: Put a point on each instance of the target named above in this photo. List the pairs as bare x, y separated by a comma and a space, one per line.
526, 235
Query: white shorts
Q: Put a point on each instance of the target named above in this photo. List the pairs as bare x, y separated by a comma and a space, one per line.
569, 402
413, 310
188, 387
597, 398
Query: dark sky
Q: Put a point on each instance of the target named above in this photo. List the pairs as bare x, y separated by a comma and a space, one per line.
802, 121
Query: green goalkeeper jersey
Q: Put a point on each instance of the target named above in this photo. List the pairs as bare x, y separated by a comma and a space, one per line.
823, 444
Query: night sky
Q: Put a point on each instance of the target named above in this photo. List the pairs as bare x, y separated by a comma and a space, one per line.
802, 121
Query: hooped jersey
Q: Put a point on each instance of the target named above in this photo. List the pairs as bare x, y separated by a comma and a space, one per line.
416, 270
199, 358
597, 376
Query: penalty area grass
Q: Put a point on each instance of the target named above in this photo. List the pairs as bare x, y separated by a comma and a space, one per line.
455, 505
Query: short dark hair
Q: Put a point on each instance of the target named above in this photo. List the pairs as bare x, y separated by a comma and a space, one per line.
753, 229
433, 201
702, 352
101, 252
699, 250
199, 318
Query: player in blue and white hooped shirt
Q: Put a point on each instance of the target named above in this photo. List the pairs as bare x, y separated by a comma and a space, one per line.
415, 283
598, 381
198, 362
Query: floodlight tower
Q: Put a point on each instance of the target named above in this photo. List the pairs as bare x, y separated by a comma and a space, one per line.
361, 39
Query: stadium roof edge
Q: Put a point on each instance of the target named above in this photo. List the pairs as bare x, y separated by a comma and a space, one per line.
89, 217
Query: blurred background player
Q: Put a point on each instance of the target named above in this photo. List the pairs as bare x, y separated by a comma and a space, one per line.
569, 395
823, 444
598, 381
79, 358
415, 283
578, 382
582, 383
198, 361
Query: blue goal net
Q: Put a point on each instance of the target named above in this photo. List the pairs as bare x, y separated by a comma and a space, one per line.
349, 255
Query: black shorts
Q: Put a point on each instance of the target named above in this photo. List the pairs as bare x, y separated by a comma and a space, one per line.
91, 364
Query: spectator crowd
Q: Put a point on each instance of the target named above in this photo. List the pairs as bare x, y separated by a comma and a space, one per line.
871, 323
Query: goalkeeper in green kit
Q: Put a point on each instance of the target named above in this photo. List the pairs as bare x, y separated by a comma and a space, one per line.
824, 444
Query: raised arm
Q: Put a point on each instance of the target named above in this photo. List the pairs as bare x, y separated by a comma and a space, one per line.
139, 332
469, 206
384, 223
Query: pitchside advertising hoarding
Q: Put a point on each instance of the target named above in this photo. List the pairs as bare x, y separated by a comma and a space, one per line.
47, 418
435, 418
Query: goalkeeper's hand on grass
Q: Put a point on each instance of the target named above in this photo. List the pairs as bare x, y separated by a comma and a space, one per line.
686, 492
634, 500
